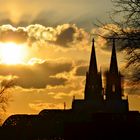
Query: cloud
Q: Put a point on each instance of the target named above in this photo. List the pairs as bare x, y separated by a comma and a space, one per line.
69, 35
105, 31
65, 35
81, 70
5, 21
40, 106
38, 75
11, 34
50, 13
45, 19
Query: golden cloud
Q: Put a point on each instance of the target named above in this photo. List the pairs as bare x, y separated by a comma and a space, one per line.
40, 106
81, 70
10, 34
65, 35
38, 75
101, 33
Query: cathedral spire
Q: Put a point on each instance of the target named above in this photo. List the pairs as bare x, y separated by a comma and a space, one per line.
93, 63
93, 87
113, 78
113, 64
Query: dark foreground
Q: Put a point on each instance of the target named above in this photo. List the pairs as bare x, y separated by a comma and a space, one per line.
100, 126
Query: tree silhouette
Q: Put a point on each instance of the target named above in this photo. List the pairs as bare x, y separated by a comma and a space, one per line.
4, 96
126, 16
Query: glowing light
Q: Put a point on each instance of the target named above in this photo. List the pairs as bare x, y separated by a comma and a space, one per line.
12, 53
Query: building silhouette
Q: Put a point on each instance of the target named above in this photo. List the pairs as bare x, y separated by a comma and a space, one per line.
97, 99
103, 113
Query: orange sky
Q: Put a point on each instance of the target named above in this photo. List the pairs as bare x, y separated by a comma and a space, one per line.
48, 56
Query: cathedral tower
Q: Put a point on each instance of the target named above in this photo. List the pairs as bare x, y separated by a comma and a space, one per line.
113, 78
93, 87
94, 101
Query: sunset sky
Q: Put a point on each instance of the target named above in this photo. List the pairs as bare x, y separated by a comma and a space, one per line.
45, 47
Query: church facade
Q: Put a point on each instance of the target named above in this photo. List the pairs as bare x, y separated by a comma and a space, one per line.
98, 99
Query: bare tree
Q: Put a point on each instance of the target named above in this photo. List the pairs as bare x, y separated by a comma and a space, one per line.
130, 10
5, 85
128, 32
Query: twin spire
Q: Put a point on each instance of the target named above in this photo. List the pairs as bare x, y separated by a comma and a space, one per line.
113, 63
93, 88
97, 98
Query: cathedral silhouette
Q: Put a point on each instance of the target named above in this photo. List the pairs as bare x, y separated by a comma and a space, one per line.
99, 99
103, 113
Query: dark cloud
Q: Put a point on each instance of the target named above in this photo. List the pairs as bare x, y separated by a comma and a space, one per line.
22, 23
4, 18
81, 71
37, 75
45, 19
6, 21
69, 35
65, 37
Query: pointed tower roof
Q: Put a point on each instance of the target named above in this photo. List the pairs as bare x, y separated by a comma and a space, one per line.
113, 63
93, 62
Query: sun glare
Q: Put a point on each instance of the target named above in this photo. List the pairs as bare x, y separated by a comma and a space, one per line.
12, 53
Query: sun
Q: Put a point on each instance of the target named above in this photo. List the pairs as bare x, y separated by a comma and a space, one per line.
12, 53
